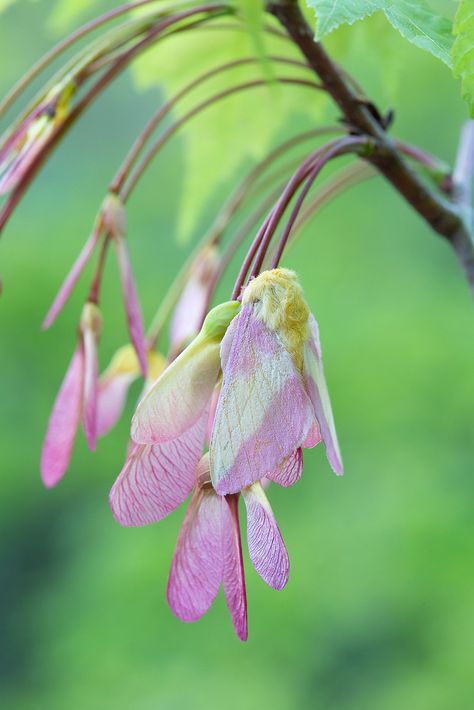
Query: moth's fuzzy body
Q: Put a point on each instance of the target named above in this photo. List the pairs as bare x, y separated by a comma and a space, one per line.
277, 298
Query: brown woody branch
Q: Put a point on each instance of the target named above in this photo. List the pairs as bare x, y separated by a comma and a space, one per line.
449, 218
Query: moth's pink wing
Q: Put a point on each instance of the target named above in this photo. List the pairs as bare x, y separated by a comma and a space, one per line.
157, 478
318, 392
132, 303
264, 413
234, 578
91, 374
112, 395
288, 472
179, 396
63, 423
197, 566
266, 547
71, 280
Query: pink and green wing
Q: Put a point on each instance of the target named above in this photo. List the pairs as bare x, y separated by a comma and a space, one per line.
180, 395
263, 414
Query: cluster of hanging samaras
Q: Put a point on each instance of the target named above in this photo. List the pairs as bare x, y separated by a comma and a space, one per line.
227, 416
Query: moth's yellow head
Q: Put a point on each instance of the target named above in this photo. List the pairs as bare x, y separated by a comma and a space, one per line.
278, 300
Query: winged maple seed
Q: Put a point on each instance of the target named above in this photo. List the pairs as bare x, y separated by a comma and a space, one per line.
251, 382
25, 142
76, 398
114, 383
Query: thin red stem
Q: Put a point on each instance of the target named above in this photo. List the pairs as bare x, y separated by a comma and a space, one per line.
77, 110
280, 207
166, 135
119, 179
94, 291
55, 51
343, 146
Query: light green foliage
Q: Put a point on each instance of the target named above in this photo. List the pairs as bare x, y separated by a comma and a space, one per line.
238, 130
420, 25
463, 50
333, 13
253, 14
4, 4
66, 14
416, 21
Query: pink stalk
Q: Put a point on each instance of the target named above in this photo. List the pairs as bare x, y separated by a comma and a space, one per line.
345, 145
169, 132
73, 277
93, 92
63, 45
119, 179
131, 302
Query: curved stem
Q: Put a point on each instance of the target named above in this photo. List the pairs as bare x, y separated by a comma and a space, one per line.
242, 275
348, 176
281, 205
166, 135
262, 241
240, 193
443, 215
64, 44
94, 290
214, 235
81, 66
343, 146
87, 99
119, 179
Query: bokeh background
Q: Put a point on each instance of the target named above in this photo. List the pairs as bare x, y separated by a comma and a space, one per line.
379, 610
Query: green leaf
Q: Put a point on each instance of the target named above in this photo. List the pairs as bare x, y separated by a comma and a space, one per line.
241, 128
463, 50
4, 4
253, 14
415, 20
417, 23
333, 13
68, 13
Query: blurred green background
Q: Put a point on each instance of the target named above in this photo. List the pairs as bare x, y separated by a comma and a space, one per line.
379, 610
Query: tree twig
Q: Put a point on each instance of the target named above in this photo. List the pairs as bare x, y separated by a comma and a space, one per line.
445, 217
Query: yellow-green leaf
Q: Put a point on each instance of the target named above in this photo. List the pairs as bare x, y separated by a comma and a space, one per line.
463, 50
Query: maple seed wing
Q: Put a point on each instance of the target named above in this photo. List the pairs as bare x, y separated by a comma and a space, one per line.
234, 579
319, 395
263, 414
197, 567
267, 550
157, 478
179, 396
63, 423
288, 472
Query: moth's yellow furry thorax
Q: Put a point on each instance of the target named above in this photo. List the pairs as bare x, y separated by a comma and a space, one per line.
278, 300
